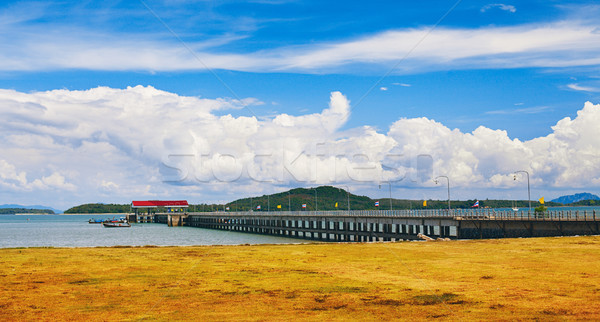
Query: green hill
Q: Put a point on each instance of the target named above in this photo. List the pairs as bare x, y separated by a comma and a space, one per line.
99, 208
326, 198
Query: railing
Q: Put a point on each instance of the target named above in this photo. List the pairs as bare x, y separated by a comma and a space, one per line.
458, 214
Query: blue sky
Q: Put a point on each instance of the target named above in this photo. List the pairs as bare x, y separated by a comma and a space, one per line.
513, 67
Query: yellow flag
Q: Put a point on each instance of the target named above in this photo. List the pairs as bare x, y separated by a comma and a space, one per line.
278, 206
542, 200
336, 204
424, 203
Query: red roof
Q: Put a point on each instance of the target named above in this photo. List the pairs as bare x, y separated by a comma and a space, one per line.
159, 203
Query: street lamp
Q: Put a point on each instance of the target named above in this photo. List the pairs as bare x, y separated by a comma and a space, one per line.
316, 202
348, 197
390, 184
436, 182
289, 202
528, 189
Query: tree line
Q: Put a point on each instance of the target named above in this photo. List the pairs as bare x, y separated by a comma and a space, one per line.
12, 211
326, 198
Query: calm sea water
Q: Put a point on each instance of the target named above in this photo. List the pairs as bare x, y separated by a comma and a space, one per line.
74, 231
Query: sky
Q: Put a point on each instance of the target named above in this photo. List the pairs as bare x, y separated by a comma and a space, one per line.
210, 101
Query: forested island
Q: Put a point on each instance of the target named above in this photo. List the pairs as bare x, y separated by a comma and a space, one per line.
99, 208
12, 211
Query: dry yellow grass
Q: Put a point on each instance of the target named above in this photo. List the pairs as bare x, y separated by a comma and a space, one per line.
537, 278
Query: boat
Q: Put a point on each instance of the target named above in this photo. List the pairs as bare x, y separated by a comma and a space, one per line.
114, 220
116, 224
95, 221
515, 209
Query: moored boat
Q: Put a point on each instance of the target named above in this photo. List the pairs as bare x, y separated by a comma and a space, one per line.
116, 224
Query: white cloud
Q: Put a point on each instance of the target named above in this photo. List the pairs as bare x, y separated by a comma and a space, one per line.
402, 84
577, 87
12, 179
9, 175
383, 88
573, 43
527, 110
120, 144
501, 6
565, 158
53, 181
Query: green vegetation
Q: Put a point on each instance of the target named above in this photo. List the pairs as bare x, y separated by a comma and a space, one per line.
327, 197
586, 203
12, 211
99, 208
540, 211
475, 280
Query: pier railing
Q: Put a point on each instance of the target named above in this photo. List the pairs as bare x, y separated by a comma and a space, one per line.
458, 214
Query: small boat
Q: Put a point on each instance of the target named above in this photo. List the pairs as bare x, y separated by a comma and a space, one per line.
115, 220
515, 209
116, 224
95, 221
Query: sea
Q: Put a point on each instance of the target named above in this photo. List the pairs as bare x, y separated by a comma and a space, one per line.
74, 231
30, 230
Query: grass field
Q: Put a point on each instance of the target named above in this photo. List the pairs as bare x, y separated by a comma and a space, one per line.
535, 278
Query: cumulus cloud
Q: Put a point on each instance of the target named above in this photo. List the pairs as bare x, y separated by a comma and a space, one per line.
12, 179
141, 142
485, 157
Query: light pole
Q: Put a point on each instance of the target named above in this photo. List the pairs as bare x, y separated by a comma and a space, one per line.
268, 203
348, 197
316, 202
289, 202
436, 182
528, 189
390, 185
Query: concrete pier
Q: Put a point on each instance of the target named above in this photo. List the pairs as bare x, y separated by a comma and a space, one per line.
361, 226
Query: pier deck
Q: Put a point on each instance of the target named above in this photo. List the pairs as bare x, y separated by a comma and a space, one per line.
359, 226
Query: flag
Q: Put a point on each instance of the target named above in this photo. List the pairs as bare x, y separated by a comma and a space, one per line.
376, 203
476, 204
542, 200
336, 204
227, 208
424, 203
278, 206
304, 205
258, 207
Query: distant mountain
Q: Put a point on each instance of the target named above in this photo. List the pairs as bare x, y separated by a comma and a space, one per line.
576, 198
56, 211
